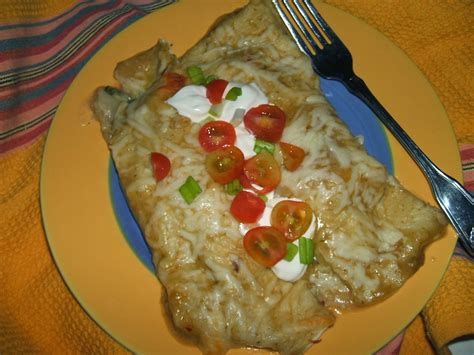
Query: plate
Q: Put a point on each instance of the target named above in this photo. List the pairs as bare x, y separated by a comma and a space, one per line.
85, 230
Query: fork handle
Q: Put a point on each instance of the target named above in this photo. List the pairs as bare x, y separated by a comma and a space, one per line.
456, 202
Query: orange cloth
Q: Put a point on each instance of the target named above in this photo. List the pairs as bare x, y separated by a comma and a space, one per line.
14, 10
39, 314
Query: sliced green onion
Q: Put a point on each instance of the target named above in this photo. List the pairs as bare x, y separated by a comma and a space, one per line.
260, 145
306, 249
233, 93
237, 117
211, 78
233, 187
263, 197
196, 75
291, 251
216, 110
206, 120
190, 189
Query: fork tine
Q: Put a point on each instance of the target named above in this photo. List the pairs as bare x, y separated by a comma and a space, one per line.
299, 41
321, 22
294, 33
310, 21
301, 26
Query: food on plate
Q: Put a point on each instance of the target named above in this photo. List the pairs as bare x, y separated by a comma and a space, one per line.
265, 217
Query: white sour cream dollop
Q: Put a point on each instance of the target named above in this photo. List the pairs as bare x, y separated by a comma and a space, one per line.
251, 96
285, 270
244, 140
191, 101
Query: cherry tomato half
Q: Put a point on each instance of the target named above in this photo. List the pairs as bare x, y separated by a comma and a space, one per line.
247, 184
247, 207
266, 245
261, 170
172, 83
265, 122
216, 134
215, 90
225, 164
292, 156
160, 164
292, 218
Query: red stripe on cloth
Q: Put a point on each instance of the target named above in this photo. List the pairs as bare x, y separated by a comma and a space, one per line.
22, 112
29, 105
467, 157
95, 40
393, 347
469, 185
20, 139
80, 55
467, 153
81, 22
469, 179
30, 115
44, 25
49, 51
47, 67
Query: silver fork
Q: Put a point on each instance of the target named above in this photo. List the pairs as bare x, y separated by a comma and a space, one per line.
332, 60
